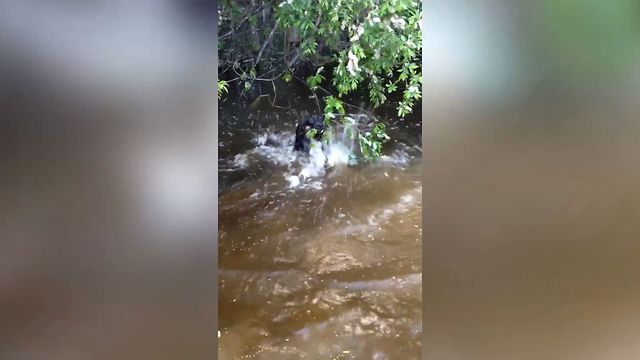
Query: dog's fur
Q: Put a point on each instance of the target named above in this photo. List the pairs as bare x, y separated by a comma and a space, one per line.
303, 143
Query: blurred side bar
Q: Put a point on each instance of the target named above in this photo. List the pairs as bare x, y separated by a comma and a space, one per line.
531, 179
108, 186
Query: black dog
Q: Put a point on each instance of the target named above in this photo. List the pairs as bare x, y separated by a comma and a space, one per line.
303, 143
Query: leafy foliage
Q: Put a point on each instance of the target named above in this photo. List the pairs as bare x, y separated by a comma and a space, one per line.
371, 142
315, 80
364, 44
223, 88
311, 133
333, 108
375, 44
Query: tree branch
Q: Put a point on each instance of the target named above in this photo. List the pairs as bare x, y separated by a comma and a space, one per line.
266, 42
222, 37
295, 58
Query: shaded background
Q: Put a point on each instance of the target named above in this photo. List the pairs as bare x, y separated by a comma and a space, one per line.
531, 183
531, 180
108, 179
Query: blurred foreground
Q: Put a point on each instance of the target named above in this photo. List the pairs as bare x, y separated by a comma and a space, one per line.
108, 183
531, 182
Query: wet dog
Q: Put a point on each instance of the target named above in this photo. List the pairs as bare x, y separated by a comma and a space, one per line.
303, 143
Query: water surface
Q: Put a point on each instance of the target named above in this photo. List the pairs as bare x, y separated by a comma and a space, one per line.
315, 262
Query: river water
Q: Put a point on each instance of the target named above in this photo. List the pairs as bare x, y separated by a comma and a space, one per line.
317, 262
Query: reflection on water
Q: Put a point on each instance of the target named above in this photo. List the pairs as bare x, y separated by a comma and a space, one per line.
315, 262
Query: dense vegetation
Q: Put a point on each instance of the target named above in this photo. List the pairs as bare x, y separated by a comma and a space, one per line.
349, 45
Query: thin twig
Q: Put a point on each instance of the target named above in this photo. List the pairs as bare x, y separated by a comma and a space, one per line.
266, 42
239, 24
272, 79
295, 58
275, 94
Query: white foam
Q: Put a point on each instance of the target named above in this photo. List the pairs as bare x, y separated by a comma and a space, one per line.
277, 148
338, 154
240, 161
293, 181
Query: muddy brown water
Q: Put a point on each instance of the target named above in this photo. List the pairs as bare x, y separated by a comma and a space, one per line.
328, 269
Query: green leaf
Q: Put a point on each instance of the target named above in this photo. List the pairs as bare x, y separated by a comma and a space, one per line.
222, 88
384, 57
311, 134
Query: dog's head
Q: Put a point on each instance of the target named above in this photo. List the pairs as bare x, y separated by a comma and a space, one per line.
314, 122
302, 143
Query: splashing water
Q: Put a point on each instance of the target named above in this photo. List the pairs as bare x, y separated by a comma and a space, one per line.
301, 169
319, 258
336, 152
308, 171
